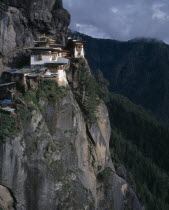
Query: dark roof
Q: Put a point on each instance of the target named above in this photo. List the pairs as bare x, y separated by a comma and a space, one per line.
44, 49
7, 84
41, 48
48, 76
32, 75
11, 70
41, 41
59, 45
77, 40
53, 64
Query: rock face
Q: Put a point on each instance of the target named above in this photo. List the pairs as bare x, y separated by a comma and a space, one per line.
23, 21
6, 200
57, 161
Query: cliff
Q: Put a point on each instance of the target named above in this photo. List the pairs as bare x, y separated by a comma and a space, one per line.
21, 22
54, 150
52, 158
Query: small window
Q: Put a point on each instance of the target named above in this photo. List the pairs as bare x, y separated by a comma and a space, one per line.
39, 57
54, 57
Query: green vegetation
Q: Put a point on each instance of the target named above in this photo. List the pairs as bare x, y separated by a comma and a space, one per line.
30, 96
50, 91
7, 126
26, 112
104, 176
3, 5
138, 69
151, 182
65, 11
143, 130
103, 85
140, 143
88, 93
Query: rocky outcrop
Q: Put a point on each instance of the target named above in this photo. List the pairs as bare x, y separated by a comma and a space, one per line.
111, 190
23, 21
6, 199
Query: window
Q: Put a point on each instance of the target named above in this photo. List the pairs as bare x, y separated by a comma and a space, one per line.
54, 57
39, 57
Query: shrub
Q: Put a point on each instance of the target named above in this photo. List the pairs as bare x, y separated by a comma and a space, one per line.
104, 175
3, 5
50, 91
30, 96
7, 126
103, 86
88, 90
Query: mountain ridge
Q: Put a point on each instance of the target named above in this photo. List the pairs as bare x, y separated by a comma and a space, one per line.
138, 70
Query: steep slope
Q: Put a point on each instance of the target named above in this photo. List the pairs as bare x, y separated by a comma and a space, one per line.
140, 143
22, 22
139, 148
138, 69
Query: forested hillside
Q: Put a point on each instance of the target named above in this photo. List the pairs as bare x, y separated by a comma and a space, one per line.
140, 144
138, 69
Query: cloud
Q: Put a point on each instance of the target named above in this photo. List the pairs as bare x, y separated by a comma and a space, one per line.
120, 19
158, 13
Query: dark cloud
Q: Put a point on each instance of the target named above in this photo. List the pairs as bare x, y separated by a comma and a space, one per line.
120, 19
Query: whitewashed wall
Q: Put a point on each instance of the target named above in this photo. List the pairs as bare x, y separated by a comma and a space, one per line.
62, 80
45, 58
76, 53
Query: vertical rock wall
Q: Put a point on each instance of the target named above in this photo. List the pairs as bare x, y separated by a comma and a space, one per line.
56, 161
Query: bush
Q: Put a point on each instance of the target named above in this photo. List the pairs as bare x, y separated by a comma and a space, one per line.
7, 126
50, 91
88, 89
103, 86
30, 96
3, 5
104, 175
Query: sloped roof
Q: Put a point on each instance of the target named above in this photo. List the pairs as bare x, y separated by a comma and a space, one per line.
60, 61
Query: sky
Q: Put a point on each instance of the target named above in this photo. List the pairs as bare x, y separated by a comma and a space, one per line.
120, 19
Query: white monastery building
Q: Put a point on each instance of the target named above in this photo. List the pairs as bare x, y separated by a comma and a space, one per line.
48, 60
76, 47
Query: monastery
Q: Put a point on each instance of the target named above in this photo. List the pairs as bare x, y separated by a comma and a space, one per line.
48, 60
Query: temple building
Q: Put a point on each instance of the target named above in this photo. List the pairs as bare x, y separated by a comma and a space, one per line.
7, 90
76, 46
46, 51
48, 60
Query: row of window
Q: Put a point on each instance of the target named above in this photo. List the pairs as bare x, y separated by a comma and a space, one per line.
39, 57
